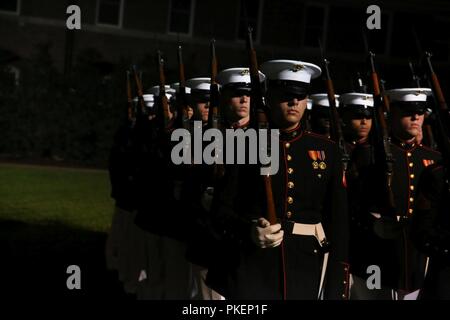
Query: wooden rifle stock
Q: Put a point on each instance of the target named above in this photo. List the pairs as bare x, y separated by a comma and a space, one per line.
213, 117
381, 106
162, 91
182, 101
258, 113
140, 92
130, 115
336, 129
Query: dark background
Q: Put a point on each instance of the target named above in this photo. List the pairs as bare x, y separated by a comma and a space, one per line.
62, 93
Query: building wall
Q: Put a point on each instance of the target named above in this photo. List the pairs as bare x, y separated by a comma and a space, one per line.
145, 26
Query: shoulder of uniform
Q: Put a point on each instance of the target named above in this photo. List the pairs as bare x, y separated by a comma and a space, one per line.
431, 151
320, 137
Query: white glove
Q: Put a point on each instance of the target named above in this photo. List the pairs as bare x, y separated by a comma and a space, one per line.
265, 235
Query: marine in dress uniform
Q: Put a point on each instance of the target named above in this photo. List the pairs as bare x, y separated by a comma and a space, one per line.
188, 100
402, 266
320, 113
291, 259
200, 98
234, 109
125, 245
356, 111
160, 214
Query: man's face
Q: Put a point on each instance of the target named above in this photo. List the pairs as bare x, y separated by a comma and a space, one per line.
203, 110
361, 127
406, 125
190, 112
240, 106
287, 110
236, 105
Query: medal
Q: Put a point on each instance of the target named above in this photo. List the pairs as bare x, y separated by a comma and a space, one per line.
315, 165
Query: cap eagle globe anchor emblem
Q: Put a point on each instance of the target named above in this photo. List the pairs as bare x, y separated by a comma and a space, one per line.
245, 72
297, 67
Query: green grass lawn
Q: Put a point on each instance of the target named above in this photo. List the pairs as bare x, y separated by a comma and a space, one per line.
44, 195
51, 218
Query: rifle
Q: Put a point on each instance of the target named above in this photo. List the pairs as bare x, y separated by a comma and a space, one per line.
213, 116
386, 104
383, 140
182, 101
214, 88
427, 130
360, 86
258, 111
130, 115
162, 92
336, 129
141, 103
442, 116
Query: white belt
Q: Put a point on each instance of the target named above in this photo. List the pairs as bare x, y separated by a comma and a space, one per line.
315, 230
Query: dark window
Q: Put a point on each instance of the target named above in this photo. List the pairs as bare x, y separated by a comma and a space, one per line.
249, 15
314, 26
345, 29
180, 16
9, 5
109, 12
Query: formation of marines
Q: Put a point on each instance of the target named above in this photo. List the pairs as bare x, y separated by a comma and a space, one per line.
358, 208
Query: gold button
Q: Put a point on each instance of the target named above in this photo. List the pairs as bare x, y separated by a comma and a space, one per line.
412, 176
409, 154
410, 211
290, 200
315, 250
345, 282
289, 158
345, 269
290, 170
289, 214
411, 164
411, 187
290, 185
344, 296
287, 145
411, 199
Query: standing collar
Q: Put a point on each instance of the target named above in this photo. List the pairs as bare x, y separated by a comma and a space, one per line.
288, 135
404, 145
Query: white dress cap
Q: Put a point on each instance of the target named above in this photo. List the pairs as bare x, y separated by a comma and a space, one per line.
176, 87
149, 100
155, 91
321, 99
356, 98
309, 104
409, 94
236, 75
290, 70
199, 84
